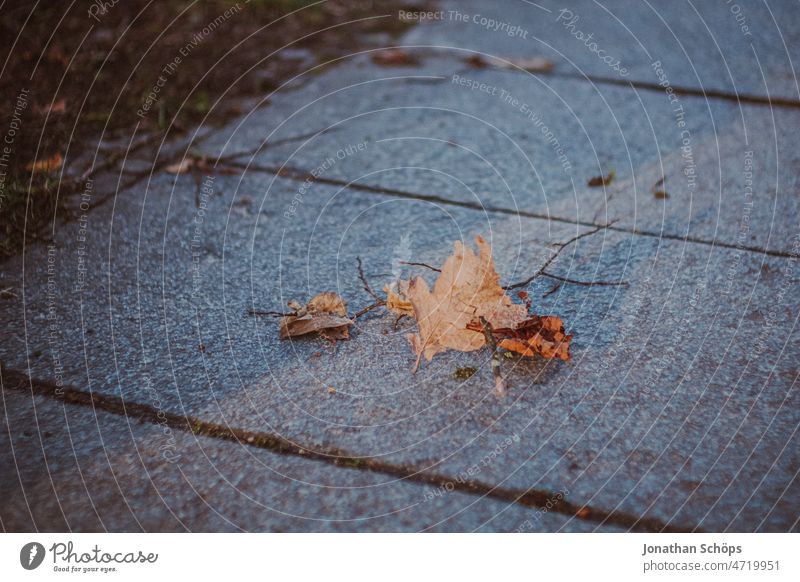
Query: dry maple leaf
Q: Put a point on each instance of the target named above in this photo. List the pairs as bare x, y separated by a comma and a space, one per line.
325, 314
468, 289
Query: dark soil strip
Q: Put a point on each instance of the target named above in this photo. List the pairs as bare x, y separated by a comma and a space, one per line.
301, 176
534, 498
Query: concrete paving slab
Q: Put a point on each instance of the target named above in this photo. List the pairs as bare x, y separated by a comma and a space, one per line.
735, 47
680, 404
670, 392
85, 470
153, 266
517, 141
666, 378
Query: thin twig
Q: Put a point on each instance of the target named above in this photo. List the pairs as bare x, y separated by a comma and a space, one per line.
499, 383
258, 313
426, 265
584, 283
368, 308
364, 281
555, 288
271, 144
112, 158
542, 271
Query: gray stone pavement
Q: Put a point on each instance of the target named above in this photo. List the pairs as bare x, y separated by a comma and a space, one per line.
679, 407
81, 470
533, 145
704, 45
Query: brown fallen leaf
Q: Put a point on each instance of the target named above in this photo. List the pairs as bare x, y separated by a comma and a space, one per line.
325, 314
181, 167
201, 164
50, 164
467, 290
658, 190
530, 64
59, 106
476, 61
602, 181
397, 299
394, 57
441, 323
537, 335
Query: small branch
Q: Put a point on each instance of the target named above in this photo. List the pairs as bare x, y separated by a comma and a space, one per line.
270, 144
499, 383
584, 283
364, 281
427, 266
555, 288
368, 308
112, 158
256, 313
542, 272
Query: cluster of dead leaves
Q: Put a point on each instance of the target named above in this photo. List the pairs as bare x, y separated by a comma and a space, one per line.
466, 292
325, 314
450, 316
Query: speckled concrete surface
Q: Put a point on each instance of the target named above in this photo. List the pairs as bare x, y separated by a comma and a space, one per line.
81, 470
680, 404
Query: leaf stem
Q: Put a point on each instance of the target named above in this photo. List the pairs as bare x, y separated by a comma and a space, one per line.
499, 383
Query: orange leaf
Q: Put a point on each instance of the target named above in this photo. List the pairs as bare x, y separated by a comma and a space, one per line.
50, 164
